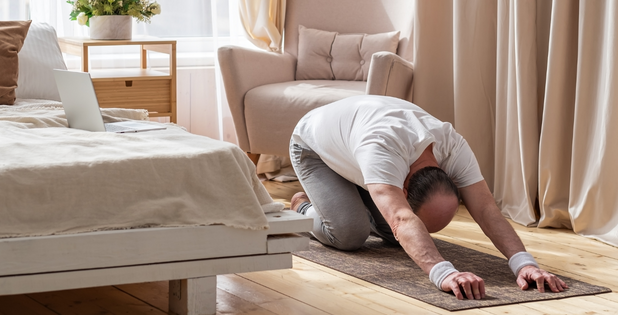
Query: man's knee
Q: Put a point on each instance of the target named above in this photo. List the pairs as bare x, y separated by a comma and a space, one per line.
350, 239
350, 246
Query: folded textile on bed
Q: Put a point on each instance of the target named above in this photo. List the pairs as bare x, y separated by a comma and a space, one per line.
56, 180
36, 113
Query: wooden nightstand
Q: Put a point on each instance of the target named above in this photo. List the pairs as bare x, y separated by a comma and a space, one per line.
142, 88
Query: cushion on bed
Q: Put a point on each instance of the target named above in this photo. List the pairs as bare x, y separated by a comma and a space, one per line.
12, 35
39, 56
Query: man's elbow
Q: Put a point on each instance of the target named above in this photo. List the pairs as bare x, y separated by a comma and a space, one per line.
399, 221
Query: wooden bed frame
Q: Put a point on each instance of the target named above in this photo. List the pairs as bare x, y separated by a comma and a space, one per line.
190, 257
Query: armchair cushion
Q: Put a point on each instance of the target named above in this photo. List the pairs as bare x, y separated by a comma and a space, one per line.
272, 110
324, 55
314, 54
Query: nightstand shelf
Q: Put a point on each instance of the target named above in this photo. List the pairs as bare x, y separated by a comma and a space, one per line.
128, 74
142, 88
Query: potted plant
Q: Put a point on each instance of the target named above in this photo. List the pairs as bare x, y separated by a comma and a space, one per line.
111, 19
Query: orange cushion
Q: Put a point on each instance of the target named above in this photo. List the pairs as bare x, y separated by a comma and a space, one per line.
12, 36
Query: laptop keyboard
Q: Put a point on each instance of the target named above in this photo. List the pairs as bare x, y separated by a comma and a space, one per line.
116, 128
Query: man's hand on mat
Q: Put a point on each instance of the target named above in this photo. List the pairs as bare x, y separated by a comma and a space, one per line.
533, 274
472, 285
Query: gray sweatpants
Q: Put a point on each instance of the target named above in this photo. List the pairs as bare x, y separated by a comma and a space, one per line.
343, 213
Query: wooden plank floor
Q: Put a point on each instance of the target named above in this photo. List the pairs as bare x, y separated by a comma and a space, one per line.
309, 288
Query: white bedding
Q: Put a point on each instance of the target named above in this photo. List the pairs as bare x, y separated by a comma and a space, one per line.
56, 180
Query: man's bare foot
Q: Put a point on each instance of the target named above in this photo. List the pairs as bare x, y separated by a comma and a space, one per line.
297, 200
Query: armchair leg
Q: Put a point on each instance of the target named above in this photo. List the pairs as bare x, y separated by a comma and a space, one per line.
254, 157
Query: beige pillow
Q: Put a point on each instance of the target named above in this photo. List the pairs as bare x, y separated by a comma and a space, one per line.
39, 55
324, 55
12, 35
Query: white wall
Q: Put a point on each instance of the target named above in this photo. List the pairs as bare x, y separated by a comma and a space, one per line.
196, 104
198, 109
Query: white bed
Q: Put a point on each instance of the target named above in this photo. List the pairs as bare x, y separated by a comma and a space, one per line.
178, 207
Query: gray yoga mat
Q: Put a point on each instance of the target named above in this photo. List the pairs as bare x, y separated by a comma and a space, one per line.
388, 266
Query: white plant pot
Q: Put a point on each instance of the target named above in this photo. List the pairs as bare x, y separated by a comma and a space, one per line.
110, 27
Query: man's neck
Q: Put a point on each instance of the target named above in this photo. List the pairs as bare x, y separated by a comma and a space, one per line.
424, 160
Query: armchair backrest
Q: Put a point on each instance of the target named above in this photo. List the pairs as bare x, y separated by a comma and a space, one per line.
350, 16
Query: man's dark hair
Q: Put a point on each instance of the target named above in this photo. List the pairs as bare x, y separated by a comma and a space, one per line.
425, 183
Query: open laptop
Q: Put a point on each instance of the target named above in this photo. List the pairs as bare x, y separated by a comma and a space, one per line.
82, 107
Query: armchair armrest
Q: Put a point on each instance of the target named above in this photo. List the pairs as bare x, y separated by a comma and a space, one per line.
243, 69
390, 75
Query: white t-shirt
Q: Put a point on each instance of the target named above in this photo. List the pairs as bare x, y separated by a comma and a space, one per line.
370, 139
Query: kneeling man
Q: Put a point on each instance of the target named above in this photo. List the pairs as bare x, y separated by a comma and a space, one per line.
375, 163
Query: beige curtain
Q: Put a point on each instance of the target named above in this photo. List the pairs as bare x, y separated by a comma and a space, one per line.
454, 53
531, 86
263, 21
593, 198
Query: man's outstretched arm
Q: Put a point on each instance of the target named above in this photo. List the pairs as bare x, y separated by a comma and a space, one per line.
483, 209
411, 233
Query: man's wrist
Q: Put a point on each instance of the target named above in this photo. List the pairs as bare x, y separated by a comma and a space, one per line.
440, 271
521, 260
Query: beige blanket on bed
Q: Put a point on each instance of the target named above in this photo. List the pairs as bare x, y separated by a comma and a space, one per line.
56, 180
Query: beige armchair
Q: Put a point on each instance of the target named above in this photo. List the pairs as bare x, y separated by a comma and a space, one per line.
266, 99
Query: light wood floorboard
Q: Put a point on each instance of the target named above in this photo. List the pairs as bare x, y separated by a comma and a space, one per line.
310, 288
